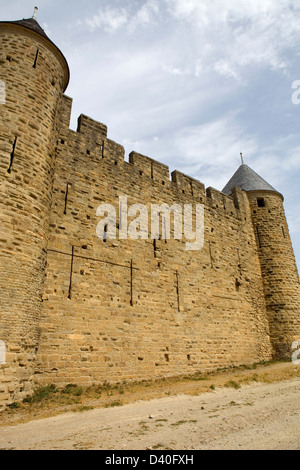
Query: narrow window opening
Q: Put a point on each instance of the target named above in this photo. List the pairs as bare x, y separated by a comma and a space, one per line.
283, 232
177, 291
66, 198
152, 172
71, 274
36, 59
12, 155
88, 152
167, 358
260, 202
131, 283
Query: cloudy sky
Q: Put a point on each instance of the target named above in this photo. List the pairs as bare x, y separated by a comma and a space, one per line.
191, 83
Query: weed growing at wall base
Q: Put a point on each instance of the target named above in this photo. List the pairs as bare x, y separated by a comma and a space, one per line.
135, 220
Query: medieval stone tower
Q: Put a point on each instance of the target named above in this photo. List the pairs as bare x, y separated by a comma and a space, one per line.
34, 74
277, 260
74, 308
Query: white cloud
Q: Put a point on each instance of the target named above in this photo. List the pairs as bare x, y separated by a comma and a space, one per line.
252, 33
173, 70
111, 19
145, 16
225, 69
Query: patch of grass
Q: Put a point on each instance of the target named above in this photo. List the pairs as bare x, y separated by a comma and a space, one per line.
14, 405
232, 384
41, 394
73, 389
113, 403
212, 387
83, 408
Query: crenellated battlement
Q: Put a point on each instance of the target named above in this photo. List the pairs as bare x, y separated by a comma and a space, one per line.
80, 306
91, 141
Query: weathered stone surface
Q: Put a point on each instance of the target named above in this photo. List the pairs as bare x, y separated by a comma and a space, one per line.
76, 308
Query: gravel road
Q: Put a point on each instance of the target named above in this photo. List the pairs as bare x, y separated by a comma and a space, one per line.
256, 416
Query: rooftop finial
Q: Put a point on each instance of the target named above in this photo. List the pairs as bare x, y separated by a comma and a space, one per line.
242, 158
35, 13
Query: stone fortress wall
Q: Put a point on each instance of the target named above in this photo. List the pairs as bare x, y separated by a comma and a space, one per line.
78, 309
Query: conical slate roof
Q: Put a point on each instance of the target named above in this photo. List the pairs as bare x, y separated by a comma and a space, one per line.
31, 23
245, 178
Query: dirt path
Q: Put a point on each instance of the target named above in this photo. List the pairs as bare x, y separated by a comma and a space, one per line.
256, 416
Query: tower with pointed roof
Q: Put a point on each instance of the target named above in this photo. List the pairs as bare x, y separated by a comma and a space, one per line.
277, 260
34, 74
78, 308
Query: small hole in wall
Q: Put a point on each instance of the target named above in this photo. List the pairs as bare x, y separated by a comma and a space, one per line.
53, 83
167, 357
62, 141
9, 58
81, 273
84, 247
141, 173
188, 357
88, 152
163, 183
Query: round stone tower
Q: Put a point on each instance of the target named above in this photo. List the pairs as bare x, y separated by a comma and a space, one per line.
33, 76
278, 265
